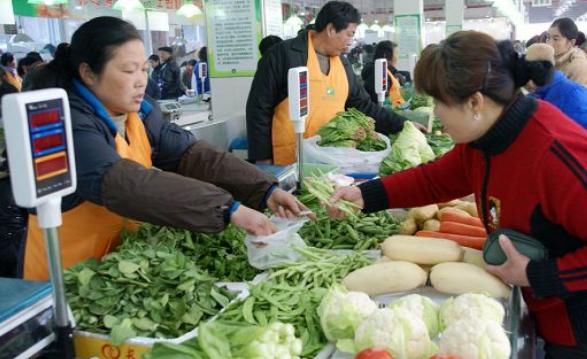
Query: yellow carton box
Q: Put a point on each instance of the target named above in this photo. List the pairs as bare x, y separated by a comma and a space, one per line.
91, 345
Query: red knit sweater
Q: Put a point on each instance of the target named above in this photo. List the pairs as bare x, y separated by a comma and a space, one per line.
528, 173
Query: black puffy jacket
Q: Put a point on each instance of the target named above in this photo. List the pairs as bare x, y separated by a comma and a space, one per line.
269, 88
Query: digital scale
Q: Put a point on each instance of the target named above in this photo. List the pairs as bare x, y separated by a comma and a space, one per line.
171, 110
298, 92
202, 74
42, 170
381, 84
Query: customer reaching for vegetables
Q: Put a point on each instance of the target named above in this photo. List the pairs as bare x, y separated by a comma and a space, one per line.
526, 163
132, 164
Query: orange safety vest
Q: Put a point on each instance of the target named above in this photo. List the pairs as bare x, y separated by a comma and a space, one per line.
328, 95
14, 80
88, 230
395, 94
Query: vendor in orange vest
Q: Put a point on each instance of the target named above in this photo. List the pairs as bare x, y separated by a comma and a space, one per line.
390, 51
333, 86
134, 165
9, 64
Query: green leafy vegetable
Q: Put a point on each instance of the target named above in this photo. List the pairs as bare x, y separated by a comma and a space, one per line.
227, 340
147, 287
351, 129
409, 149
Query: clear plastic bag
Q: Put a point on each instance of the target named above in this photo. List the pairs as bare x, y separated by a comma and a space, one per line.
347, 159
268, 251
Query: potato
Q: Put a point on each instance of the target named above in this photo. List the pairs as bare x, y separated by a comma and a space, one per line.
422, 214
431, 225
421, 250
387, 277
452, 209
453, 203
460, 278
474, 256
471, 208
408, 226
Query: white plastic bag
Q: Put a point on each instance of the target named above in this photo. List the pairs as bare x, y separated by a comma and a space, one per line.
348, 159
268, 251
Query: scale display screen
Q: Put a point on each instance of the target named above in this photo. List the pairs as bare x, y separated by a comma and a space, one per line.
48, 146
303, 77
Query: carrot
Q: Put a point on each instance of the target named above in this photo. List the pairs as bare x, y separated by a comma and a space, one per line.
451, 215
459, 228
465, 241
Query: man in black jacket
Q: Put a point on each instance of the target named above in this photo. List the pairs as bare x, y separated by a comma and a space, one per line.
169, 75
270, 135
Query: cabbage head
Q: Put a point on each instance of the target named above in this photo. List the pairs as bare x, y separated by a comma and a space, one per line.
341, 312
423, 307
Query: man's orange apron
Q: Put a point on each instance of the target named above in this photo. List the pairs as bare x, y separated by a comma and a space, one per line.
88, 230
328, 95
395, 94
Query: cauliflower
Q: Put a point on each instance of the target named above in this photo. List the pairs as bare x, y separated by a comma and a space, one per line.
341, 312
423, 307
401, 333
475, 339
470, 306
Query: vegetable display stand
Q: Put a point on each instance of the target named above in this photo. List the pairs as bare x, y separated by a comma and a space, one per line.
91, 345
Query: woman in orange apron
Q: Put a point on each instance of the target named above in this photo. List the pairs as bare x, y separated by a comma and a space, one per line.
132, 164
385, 50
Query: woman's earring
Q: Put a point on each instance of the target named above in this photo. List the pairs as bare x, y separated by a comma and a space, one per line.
476, 117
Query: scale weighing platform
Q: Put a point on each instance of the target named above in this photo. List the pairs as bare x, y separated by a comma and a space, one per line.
26, 318
287, 176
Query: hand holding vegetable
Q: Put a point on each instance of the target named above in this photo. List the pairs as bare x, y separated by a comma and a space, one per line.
285, 205
513, 271
351, 194
253, 222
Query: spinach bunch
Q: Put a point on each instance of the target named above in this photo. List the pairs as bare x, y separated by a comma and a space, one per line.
145, 288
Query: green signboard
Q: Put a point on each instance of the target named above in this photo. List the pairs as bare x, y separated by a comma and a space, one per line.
234, 30
23, 8
409, 34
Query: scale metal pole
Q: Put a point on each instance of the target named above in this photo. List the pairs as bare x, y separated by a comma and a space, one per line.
300, 141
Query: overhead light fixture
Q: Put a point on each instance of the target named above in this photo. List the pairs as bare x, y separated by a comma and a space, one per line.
189, 10
294, 20
126, 5
48, 2
361, 29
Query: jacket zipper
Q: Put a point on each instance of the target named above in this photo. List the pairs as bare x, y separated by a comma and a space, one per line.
487, 158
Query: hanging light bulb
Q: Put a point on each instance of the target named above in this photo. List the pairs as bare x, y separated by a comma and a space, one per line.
375, 27
189, 10
361, 29
48, 2
128, 5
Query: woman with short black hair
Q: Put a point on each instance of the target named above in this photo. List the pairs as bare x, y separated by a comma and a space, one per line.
525, 162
